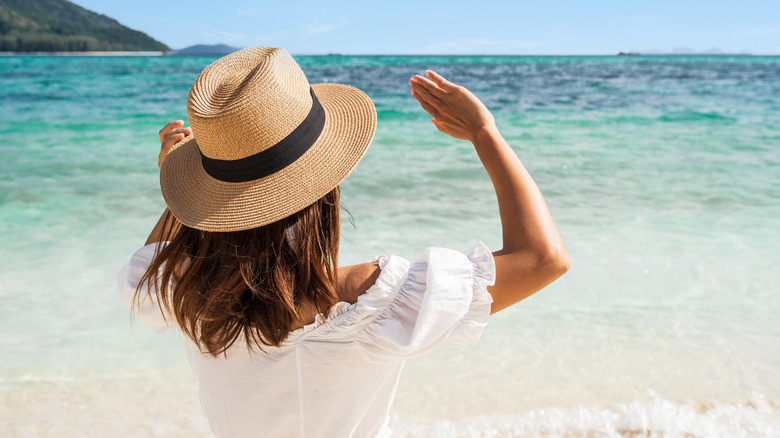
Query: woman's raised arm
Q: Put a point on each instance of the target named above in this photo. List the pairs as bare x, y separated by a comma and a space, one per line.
533, 255
169, 135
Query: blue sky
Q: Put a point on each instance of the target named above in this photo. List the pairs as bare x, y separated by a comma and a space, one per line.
457, 27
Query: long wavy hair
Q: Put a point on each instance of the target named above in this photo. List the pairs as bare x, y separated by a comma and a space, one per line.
221, 286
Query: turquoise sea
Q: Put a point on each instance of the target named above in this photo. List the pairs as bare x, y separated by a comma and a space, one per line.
662, 173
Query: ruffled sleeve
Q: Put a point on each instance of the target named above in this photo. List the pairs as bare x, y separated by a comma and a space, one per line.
443, 298
147, 308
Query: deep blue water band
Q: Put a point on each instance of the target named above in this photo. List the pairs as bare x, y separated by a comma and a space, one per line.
275, 158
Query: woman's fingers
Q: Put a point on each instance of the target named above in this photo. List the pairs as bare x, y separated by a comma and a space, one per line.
425, 105
435, 109
432, 88
179, 133
423, 91
455, 110
171, 134
438, 109
440, 81
431, 104
170, 127
172, 138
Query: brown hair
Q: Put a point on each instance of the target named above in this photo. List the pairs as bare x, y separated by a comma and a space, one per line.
221, 285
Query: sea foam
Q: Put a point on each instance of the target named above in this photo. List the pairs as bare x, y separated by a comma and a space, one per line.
655, 417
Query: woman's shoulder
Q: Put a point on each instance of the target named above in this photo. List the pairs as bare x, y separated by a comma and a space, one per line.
354, 280
434, 266
405, 309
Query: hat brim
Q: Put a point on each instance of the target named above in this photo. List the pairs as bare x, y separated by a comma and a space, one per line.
203, 202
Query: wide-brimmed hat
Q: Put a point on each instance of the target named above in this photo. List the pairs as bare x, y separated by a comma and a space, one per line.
265, 143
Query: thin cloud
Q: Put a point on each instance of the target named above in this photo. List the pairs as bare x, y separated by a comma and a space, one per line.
319, 29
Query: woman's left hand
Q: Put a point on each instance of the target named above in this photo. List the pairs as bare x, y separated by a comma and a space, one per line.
171, 134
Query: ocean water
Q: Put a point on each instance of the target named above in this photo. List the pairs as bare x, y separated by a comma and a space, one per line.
663, 175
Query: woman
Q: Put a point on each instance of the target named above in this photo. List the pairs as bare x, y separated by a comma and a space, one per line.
282, 340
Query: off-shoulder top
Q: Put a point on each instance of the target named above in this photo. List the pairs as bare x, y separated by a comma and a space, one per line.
337, 376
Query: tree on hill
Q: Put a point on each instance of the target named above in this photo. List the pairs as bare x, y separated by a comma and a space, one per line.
61, 26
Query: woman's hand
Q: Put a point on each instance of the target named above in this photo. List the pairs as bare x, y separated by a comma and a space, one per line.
171, 134
455, 110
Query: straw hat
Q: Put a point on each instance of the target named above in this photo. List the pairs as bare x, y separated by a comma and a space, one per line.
268, 143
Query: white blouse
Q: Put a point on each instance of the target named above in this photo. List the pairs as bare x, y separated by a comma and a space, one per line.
336, 377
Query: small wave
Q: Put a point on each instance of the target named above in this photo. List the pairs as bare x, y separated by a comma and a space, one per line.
656, 417
694, 116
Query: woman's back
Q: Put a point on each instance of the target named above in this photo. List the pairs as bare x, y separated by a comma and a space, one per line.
337, 376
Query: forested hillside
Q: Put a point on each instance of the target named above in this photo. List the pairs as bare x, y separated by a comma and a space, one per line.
61, 26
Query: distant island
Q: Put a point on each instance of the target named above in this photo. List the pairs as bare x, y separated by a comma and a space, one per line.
61, 26
205, 50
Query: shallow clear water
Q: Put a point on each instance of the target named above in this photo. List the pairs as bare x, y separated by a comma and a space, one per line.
663, 175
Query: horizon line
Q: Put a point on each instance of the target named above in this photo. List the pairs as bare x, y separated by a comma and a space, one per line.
335, 54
